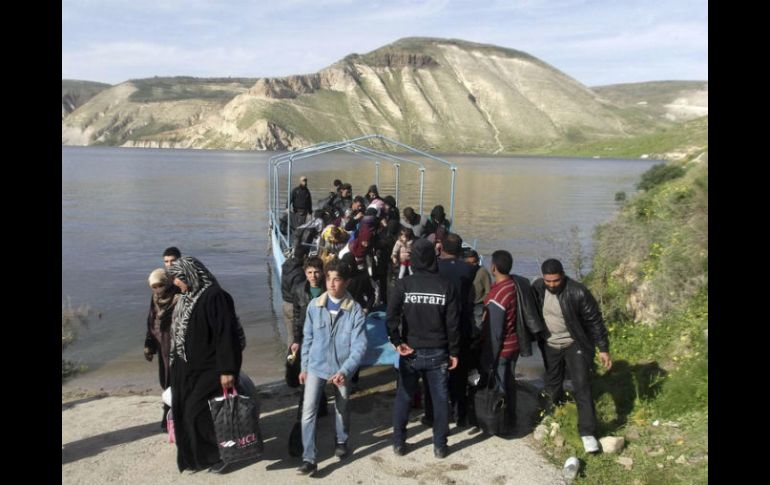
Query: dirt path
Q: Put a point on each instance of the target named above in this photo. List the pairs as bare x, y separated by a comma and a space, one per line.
117, 439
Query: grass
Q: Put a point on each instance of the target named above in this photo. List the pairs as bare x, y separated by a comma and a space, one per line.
72, 320
184, 87
660, 141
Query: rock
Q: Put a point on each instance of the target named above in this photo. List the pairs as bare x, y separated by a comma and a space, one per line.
612, 444
681, 460
632, 434
558, 441
626, 462
659, 465
540, 433
671, 424
669, 457
554, 429
656, 423
657, 452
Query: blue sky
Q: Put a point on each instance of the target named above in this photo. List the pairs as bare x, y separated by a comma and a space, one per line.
596, 42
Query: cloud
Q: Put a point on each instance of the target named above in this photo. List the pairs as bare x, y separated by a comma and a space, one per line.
120, 39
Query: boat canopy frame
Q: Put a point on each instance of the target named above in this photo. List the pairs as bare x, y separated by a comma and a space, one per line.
354, 147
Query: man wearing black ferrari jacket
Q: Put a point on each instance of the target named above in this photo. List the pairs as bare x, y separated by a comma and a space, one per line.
426, 308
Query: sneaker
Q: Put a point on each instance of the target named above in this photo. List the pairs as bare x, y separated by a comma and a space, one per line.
399, 450
307, 468
441, 452
341, 450
590, 444
218, 467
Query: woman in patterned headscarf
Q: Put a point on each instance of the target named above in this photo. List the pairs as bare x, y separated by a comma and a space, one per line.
205, 357
158, 338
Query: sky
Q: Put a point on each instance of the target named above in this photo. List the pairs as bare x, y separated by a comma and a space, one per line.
597, 42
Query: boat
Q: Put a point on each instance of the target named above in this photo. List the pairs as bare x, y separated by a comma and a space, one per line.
375, 149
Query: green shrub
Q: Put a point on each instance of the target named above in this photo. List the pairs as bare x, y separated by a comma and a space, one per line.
657, 174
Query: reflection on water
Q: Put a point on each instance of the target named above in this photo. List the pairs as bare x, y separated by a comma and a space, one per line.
121, 207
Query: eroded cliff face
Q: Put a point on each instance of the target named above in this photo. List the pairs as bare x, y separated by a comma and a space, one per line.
432, 93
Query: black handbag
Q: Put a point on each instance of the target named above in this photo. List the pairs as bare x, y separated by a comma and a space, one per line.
295, 440
293, 367
490, 404
236, 424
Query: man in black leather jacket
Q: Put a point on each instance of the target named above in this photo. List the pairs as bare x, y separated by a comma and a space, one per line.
575, 327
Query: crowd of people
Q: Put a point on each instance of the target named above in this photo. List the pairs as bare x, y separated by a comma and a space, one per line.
446, 315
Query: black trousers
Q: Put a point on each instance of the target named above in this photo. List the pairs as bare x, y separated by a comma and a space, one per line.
579, 364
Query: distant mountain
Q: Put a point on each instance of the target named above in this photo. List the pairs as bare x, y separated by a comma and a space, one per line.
76, 93
447, 95
661, 100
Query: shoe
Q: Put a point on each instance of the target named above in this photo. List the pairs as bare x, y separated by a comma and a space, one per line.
590, 444
341, 450
440, 452
399, 450
426, 421
218, 467
307, 468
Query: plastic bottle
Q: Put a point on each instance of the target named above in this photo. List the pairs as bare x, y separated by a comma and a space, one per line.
571, 467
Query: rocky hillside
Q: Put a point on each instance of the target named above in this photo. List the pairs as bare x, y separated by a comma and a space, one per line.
76, 93
661, 100
447, 95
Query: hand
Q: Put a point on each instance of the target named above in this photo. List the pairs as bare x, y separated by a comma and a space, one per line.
606, 360
148, 354
404, 350
294, 348
338, 379
453, 361
227, 381
302, 377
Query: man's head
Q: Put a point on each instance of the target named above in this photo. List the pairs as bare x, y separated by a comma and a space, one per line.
452, 244
314, 271
471, 256
553, 275
390, 201
337, 278
409, 215
424, 256
438, 214
337, 183
358, 203
170, 255
303, 181
502, 262
345, 190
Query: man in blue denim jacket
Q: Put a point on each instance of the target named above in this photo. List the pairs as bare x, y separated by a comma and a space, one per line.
334, 342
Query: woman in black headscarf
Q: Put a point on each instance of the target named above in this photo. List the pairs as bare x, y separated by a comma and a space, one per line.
205, 358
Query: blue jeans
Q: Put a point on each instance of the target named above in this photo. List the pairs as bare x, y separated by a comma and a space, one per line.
433, 366
313, 387
505, 378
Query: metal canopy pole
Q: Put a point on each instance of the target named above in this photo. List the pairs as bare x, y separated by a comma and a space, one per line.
288, 204
377, 175
398, 168
422, 187
452, 198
